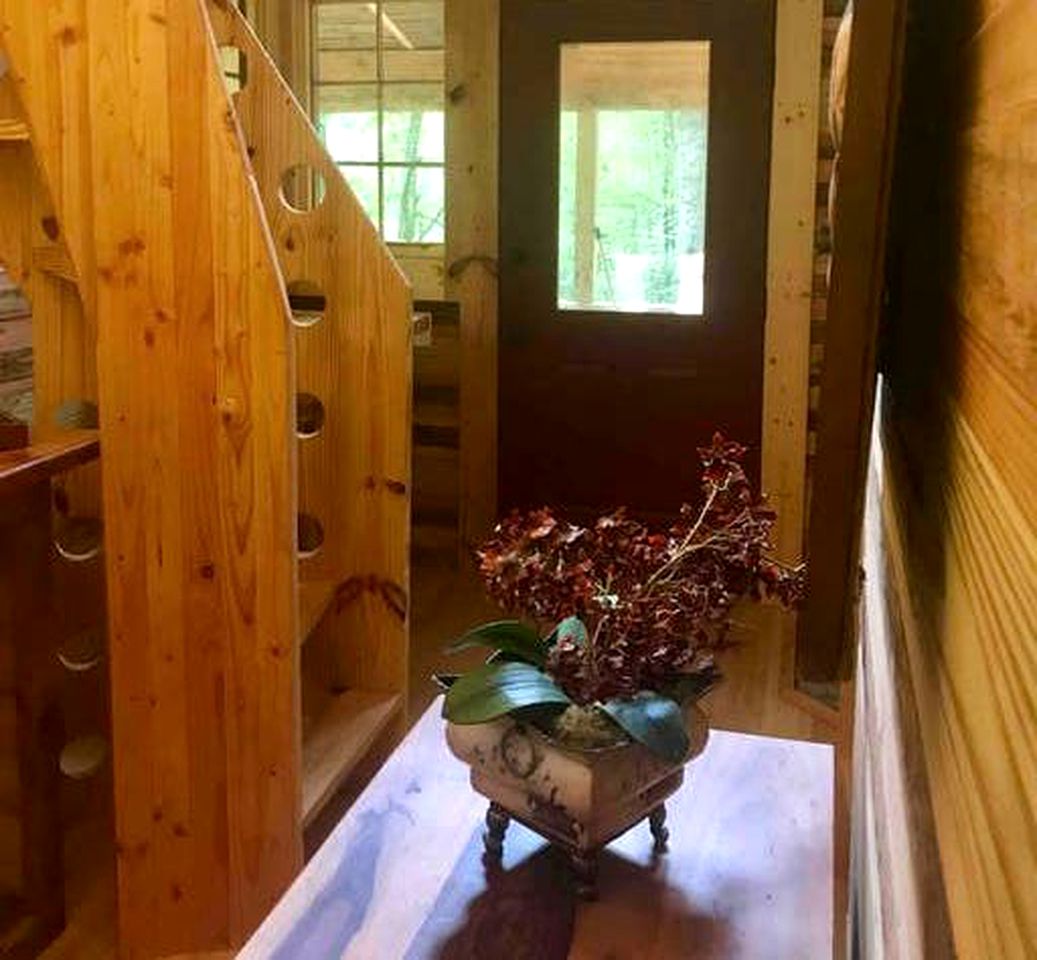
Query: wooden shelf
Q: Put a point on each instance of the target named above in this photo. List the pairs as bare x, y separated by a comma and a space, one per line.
338, 739
22, 468
315, 597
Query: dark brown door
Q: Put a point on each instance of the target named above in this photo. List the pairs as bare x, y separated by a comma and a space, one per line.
635, 140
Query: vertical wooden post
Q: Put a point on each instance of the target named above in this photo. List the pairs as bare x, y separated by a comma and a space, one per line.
472, 128
790, 265
828, 625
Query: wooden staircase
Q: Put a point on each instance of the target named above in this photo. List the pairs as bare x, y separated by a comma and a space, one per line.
205, 284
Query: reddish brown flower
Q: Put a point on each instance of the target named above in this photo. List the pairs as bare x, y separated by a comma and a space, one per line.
655, 603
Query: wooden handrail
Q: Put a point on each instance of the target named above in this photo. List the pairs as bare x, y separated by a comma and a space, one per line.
39, 461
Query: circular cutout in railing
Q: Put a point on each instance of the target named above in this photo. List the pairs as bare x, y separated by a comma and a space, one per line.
83, 757
310, 534
302, 188
79, 539
82, 652
307, 301
234, 64
309, 416
77, 414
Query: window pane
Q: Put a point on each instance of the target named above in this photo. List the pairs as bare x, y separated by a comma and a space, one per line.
412, 24
347, 117
412, 126
364, 183
348, 25
414, 205
632, 179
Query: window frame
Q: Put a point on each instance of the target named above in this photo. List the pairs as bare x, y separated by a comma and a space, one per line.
380, 82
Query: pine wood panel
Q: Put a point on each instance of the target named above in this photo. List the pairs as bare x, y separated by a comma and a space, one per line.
790, 251
355, 476
956, 468
747, 874
969, 627
194, 369
20, 469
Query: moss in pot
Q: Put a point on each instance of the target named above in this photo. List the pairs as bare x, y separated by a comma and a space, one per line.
581, 721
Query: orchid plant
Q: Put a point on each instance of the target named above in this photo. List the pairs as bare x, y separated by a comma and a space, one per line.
618, 619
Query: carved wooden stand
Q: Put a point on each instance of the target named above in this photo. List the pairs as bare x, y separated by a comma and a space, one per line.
584, 862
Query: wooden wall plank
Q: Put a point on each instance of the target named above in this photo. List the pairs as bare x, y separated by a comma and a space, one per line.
959, 429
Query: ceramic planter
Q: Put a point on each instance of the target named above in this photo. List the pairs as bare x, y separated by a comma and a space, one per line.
577, 799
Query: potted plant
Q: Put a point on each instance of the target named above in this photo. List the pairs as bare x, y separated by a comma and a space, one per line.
580, 723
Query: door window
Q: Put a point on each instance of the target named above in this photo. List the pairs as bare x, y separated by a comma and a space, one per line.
632, 178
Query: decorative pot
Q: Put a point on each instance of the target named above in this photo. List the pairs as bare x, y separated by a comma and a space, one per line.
578, 799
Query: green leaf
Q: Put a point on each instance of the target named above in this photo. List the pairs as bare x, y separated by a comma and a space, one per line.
508, 636
571, 628
653, 720
496, 689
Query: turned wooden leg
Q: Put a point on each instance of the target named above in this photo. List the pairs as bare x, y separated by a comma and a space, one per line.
585, 871
497, 821
657, 824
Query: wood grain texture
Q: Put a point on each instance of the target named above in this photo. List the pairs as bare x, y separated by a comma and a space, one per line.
790, 255
472, 129
901, 902
354, 476
166, 232
956, 480
37, 463
966, 629
285, 27
748, 873
339, 739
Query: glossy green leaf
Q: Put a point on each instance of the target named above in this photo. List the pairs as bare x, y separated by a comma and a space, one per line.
507, 636
653, 720
571, 628
497, 689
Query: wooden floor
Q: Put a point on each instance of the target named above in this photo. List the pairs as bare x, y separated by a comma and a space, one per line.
748, 874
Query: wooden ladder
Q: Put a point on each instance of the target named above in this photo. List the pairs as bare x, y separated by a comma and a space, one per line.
204, 283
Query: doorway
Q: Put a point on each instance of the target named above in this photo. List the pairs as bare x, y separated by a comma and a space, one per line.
635, 142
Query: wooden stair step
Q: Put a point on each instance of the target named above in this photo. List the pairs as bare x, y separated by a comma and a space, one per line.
338, 739
13, 131
315, 597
